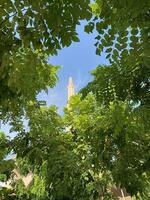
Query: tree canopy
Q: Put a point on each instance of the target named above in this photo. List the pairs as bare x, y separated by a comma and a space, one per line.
31, 31
103, 139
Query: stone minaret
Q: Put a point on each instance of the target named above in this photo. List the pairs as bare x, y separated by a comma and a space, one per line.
70, 88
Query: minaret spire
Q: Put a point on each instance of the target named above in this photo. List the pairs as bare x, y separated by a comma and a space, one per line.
70, 88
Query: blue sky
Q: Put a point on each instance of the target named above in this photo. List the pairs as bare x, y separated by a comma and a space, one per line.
76, 61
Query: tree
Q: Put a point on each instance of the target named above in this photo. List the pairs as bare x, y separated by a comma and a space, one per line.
116, 138
56, 160
107, 140
29, 32
123, 34
5, 165
123, 30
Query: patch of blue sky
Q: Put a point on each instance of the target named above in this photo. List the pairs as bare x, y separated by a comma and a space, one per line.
76, 61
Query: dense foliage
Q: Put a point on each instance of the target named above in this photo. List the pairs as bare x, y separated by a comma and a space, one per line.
103, 139
61, 162
123, 30
118, 140
30, 31
124, 85
123, 33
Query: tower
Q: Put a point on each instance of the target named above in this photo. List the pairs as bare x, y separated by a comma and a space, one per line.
70, 88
